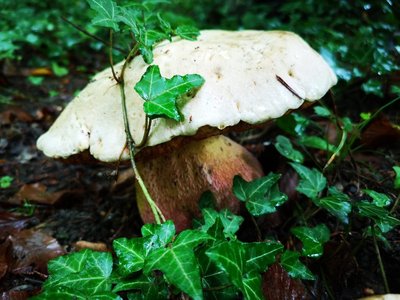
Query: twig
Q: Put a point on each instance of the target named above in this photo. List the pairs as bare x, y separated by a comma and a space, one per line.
283, 82
92, 35
378, 254
110, 57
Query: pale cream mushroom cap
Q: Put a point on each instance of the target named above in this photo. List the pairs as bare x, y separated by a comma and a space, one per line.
239, 68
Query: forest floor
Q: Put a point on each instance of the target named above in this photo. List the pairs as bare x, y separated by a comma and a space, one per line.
52, 208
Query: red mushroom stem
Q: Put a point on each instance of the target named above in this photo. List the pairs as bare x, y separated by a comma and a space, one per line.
177, 180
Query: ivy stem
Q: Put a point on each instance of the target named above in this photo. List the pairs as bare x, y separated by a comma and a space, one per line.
131, 144
110, 56
378, 254
131, 147
146, 133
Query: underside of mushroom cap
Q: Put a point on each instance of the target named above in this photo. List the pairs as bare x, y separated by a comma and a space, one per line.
240, 70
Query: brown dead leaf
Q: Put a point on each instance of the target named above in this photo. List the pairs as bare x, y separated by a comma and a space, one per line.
4, 258
37, 192
12, 114
80, 245
380, 132
10, 223
31, 250
277, 285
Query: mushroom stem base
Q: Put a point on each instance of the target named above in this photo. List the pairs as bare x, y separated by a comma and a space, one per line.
177, 180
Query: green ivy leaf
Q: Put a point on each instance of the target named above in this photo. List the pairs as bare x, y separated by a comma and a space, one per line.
179, 266
191, 238
261, 255
58, 70
224, 222
252, 286
147, 38
5, 182
322, 111
317, 143
313, 239
261, 195
141, 282
213, 277
131, 254
312, 181
161, 93
285, 148
60, 293
336, 206
229, 257
379, 215
379, 199
87, 271
160, 235
130, 17
187, 32
397, 178
291, 263
107, 13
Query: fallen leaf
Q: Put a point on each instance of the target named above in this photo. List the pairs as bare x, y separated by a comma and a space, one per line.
80, 245
31, 250
12, 114
380, 132
4, 258
277, 285
37, 192
10, 223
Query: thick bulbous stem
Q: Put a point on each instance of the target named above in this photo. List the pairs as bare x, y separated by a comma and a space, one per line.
177, 180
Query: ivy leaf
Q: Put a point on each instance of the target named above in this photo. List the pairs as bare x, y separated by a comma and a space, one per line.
397, 178
141, 282
146, 39
213, 277
180, 267
291, 263
151, 288
60, 293
87, 271
190, 239
261, 195
5, 182
224, 222
107, 13
161, 93
337, 204
379, 215
187, 32
379, 199
260, 255
317, 143
285, 148
313, 239
130, 17
165, 26
131, 254
252, 286
322, 111
312, 182
160, 235
229, 257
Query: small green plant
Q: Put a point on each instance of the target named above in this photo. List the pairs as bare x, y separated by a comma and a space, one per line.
5, 182
208, 262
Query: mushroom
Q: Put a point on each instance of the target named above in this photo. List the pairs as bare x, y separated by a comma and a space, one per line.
251, 77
